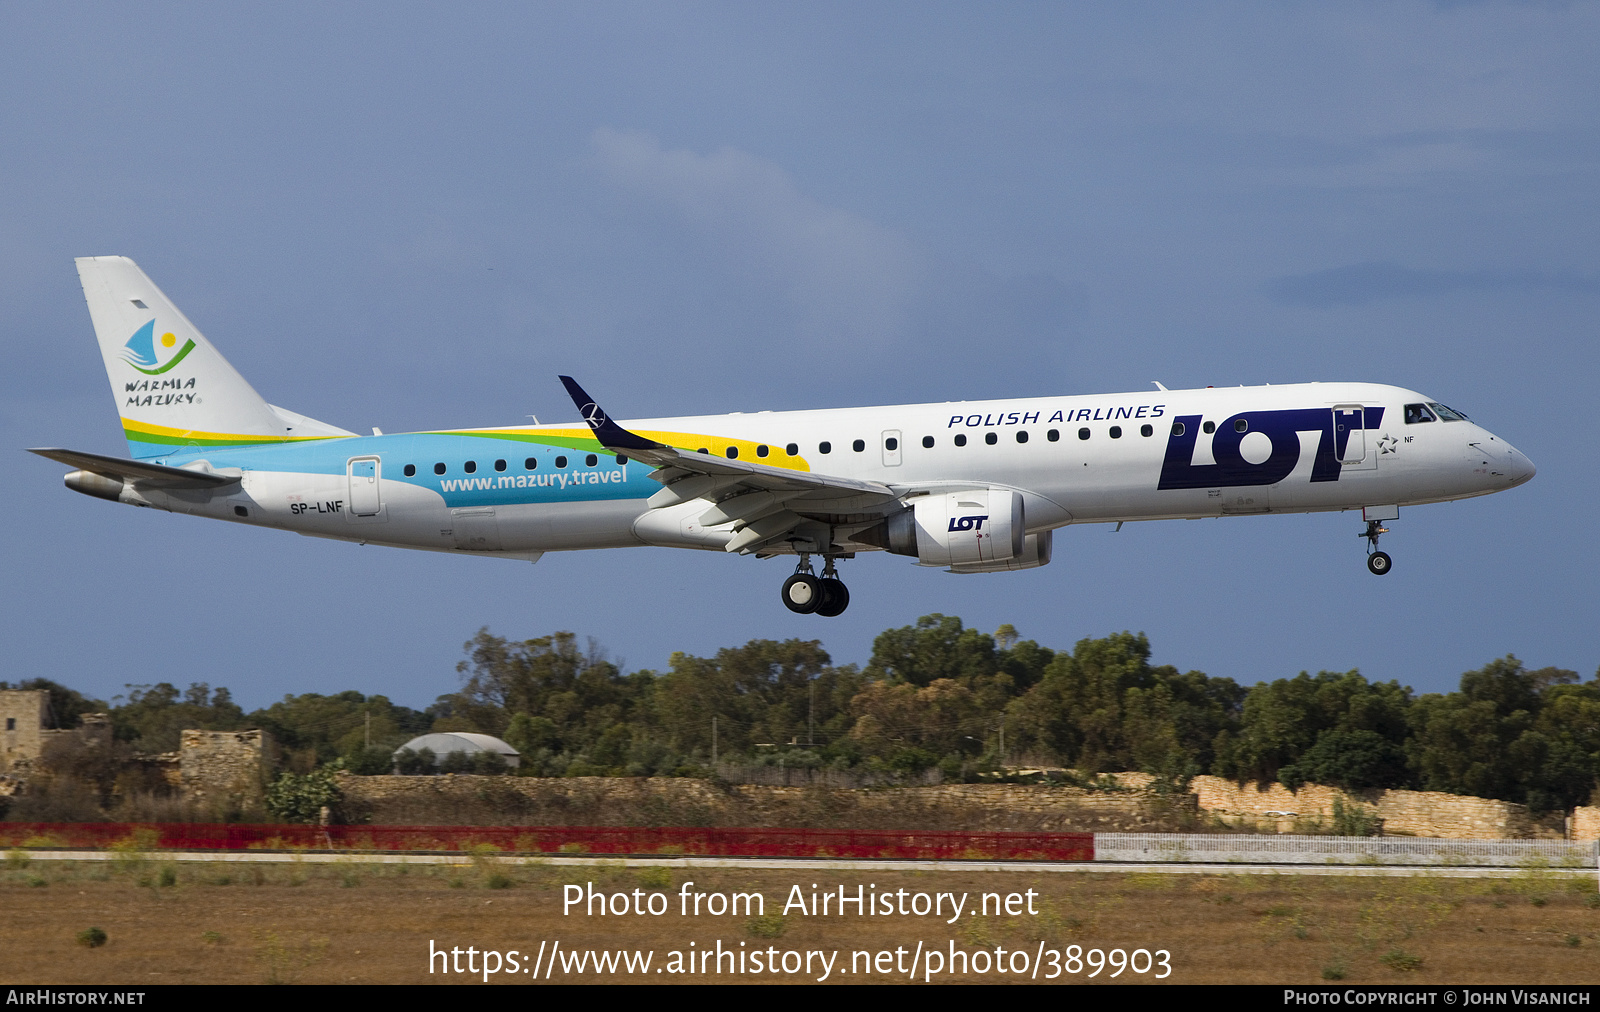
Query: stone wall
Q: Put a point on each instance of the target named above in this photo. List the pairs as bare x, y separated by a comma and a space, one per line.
1585, 824
467, 799
1404, 813
1134, 806
223, 771
22, 718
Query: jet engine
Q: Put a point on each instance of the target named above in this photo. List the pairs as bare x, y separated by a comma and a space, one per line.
1035, 553
975, 527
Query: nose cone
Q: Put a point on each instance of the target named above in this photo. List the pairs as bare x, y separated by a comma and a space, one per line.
1521, 467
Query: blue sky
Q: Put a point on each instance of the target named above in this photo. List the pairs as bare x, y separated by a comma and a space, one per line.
416, 216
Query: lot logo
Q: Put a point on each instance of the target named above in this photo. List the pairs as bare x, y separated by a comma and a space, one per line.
1282, 430
141, 350
967, 523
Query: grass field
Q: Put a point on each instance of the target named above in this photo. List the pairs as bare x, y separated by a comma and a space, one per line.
166, 923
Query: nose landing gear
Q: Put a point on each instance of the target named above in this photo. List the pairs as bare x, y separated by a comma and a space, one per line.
805, 593
1378, 563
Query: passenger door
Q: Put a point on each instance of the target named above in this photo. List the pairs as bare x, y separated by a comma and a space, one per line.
363, 475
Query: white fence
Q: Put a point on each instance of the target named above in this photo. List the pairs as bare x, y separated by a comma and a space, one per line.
1222, 848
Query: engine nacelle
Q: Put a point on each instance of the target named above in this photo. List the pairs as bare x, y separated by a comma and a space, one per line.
1035, 553
978, 527
97, 485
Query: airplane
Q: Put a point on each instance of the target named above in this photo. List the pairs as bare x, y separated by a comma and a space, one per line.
973, 487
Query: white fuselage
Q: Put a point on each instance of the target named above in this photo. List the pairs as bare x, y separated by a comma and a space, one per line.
1115, 457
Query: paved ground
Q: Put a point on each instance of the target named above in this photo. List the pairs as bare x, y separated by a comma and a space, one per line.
817, 864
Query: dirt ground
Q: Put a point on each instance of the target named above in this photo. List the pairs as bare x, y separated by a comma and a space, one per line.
167, 923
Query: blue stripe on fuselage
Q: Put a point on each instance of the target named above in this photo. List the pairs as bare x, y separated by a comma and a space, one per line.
546, 483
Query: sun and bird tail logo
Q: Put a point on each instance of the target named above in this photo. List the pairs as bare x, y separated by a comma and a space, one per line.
142, 352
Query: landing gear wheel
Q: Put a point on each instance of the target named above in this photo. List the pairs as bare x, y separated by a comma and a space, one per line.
802, 593
1378, 563
835, 597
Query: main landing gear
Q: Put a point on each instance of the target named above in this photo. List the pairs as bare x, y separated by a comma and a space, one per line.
806, 594
1378, 563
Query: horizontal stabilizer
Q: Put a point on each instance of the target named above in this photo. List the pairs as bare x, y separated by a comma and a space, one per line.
158, 475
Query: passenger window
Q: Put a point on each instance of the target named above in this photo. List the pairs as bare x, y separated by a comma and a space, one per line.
530, 463
927, 442
1208, 428
704, 450
990, 438
561, 462
761, 450
733, 453
411, 470
621, 460
824, 447
591, 460
1146, 430
1116, 432
961, 439
1054, 435
1240, 425
471, 467
438, 469
859, 445
1416, 413
499, 465
891, 443
1178, 429
1083, 433
1022, 435
793, 449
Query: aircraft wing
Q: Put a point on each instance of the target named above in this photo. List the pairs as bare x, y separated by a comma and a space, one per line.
765, 504
122, 469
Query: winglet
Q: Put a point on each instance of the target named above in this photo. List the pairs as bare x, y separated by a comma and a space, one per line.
611, 435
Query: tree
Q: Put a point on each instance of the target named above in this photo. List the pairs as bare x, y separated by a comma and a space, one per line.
155, 715
765, 692
317, 728
1105, 707
1493, 738
1352, 758
580, 691
1284, 719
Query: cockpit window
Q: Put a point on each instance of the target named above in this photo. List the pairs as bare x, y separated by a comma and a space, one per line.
1447, 414
1418, 413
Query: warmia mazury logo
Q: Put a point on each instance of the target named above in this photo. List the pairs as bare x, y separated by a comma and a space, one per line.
140, 351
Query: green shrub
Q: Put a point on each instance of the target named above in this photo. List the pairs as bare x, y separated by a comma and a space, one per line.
1399, 959
295, 797
91, 938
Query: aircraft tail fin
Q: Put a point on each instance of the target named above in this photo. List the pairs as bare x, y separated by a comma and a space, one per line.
174, 391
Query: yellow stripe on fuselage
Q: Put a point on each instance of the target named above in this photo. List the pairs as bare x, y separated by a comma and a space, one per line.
584, 438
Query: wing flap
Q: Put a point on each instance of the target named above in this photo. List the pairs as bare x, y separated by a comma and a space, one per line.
671, 460
764, 504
